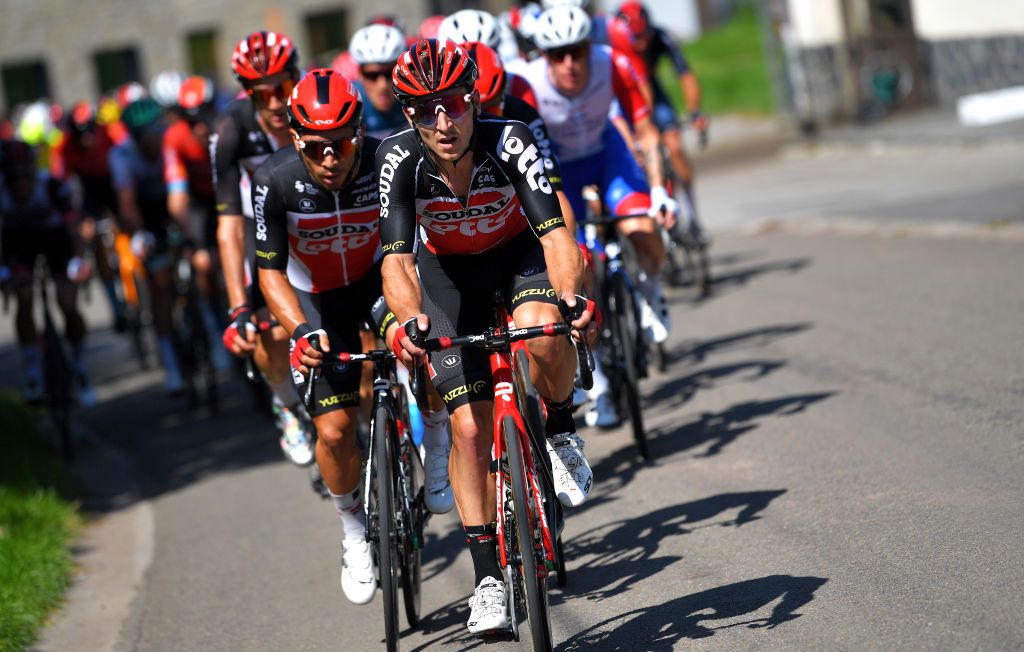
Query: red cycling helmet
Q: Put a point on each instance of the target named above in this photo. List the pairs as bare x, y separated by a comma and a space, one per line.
323, 100
429, 67
620, 36
83, 117
262, 54
195, 94
491, 80
635, 15
430, 25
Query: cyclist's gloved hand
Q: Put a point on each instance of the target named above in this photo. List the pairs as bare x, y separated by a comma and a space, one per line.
663, 207
240, 335
581, 312
305, 355
142, 243
78, 270
403, 346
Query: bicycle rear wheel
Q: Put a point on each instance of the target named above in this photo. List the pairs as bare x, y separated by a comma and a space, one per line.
387, 542
625, 332
534, 585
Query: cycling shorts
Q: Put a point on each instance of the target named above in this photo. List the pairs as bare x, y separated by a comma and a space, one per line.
98, 197
614, 171
664, 115
23, 245
342, 312
458, 297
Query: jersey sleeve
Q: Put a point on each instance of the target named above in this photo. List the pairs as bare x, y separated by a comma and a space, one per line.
271, 221
532, 119
227, 175
627, 90
175, 173
396, 176
524, 165
667, 47
120, 162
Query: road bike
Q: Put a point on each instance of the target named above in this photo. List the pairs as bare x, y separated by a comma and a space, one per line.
624, 346
393, 485
529, 512
190, 332
686, 258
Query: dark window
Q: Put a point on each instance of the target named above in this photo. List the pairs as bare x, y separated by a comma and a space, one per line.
202, 53
116, 67
25, 82
328, 35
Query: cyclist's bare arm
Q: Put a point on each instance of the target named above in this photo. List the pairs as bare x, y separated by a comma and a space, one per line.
647, 137
564, 262
127, 205
691, 89
231, 239
402, 286
177, 207
281, 298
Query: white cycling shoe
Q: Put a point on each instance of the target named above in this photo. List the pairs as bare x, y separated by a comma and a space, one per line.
438, 493
572, 474
294, 441
602, 412
488, 610
358, 574
654, 315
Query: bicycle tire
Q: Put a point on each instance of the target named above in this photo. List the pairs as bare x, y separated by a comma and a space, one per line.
529, 398
387, 549
536, 587
412, 536
57, 382
625, 322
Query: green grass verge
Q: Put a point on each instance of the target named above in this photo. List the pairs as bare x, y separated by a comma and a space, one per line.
730, 64
36, 527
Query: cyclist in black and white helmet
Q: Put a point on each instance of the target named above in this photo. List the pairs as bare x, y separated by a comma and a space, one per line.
375, 49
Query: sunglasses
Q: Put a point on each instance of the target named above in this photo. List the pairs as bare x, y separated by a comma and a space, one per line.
374, 75
576, 52
455, 106
318, 150
263, 95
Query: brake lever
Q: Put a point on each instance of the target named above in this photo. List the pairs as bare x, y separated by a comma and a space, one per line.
308, 393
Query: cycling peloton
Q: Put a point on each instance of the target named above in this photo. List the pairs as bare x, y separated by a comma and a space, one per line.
247, 132
375, 48
488, 220
318, 251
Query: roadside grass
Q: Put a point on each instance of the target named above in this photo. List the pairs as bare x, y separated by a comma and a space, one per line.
36, 527
730, 64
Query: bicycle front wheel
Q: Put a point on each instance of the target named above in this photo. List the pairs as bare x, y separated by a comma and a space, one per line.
387, 541
534, 585
626, 334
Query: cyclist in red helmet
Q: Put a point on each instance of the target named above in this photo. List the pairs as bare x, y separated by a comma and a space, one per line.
478, 191
654, 44
318, 252
249, 130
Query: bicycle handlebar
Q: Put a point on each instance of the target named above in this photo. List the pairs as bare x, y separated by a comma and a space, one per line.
372, 355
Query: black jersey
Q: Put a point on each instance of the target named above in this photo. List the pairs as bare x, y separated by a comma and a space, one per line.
325, 239
509, 192
517, 109
238, 146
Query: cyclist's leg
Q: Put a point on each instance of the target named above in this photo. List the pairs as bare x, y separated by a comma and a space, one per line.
20, 253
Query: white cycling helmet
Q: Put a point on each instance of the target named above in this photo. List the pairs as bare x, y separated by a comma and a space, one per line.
377, 44
165, 86
470, 25
550, 4
561, 26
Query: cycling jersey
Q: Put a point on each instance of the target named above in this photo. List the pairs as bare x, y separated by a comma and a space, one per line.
381, 124
519, 87
130, 169
91, 166
517, 109
509, 192
324, 239
577, 123
237, 147
186, 161
662, 45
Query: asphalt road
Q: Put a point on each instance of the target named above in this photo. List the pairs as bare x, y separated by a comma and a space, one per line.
839, 466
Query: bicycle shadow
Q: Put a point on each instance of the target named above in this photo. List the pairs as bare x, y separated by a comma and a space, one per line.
720, 429
660, 627
677, 391
621, 553
696, 353
736, 278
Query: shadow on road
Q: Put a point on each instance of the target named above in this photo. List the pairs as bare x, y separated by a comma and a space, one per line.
697, 352
662, 626
677, 391
719, 429
622, 553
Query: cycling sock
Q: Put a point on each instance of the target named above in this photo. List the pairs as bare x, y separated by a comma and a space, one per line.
435, 430
284, 391
559, 417
350, 509
483, 547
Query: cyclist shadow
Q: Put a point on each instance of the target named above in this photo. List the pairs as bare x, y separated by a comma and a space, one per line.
622, 553
662, 626
678, 391
696, 353
719, 429
724, 280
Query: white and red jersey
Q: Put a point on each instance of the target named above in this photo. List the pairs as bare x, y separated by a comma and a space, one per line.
325, 239
577, 123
